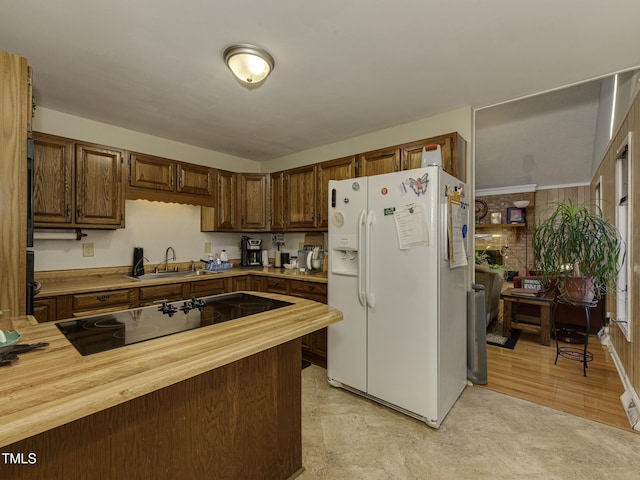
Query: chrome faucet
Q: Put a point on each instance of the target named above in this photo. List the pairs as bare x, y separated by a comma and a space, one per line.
166, 261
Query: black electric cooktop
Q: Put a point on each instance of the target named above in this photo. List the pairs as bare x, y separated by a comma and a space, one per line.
106, 332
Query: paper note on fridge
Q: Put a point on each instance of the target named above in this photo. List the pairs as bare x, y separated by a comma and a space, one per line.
457, 234
411, 225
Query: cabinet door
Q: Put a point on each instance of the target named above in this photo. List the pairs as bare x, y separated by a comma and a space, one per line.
99, 186
44, 310
253, 201
243, 283
277, 201
412, 155
52, 180
227, 204
300, 198
453, 149
195, 179
338, 169
151, 172
379, 161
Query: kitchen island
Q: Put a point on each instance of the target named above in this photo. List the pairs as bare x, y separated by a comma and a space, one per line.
221, 401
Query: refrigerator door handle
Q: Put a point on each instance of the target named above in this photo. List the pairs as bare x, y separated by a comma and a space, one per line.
361, 236
370, 295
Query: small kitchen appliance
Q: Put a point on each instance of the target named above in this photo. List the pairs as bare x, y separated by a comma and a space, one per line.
250, 252
138, 262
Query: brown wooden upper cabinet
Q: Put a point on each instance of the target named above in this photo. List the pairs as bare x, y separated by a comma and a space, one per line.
241, 204
305, 203
154, 173
339, 169
277, 201
157, 178
225, 213
453, 148
300, 198
254, 201
77, 184
377, 162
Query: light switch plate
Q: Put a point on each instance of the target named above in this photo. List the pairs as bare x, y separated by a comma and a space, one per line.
207, 247
87, 249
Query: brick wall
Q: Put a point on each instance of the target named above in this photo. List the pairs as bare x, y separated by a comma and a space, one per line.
515, 242
512, 244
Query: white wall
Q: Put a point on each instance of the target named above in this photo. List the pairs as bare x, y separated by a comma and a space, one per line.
63, 124
459, 120
153, 226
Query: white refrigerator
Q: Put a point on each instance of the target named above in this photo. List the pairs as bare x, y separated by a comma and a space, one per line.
403, 293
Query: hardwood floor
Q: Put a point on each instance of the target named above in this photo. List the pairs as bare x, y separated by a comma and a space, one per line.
528, 372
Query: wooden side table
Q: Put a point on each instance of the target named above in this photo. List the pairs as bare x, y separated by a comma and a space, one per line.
512, 300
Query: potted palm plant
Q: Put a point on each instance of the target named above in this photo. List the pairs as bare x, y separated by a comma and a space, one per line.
577, 250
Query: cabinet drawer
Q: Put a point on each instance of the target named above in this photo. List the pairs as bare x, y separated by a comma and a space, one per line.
310, 290
169, 292
208, 287
100, 300
277, 285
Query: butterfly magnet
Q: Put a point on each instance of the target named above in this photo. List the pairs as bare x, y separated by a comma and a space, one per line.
419, 185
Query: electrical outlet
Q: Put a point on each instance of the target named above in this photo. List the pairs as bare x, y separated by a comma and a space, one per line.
207, 247
87, 249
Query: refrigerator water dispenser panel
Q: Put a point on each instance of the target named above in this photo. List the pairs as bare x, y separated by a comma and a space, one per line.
344, 255
344, 262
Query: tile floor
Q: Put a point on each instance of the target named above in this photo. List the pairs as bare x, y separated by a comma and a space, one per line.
487, 435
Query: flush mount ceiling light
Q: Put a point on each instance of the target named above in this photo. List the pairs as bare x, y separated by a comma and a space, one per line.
250, 64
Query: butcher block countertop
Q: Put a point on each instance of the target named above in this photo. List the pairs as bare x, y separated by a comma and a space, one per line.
63, 282
54, 386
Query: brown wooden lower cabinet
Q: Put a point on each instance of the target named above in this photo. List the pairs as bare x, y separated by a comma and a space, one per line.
95, 303
205, 288
314, 345
161, 293
276, 285
239, 421
45, 310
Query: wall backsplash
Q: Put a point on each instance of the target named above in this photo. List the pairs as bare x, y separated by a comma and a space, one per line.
153, 226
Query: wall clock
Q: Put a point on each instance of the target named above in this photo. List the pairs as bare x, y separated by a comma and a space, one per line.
481, 210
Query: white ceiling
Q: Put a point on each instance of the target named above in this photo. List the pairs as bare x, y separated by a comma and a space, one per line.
342, 67
547, 139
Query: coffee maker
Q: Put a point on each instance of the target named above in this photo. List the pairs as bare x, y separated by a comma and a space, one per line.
250, 251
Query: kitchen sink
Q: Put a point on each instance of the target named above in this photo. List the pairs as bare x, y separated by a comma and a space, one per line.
161, 275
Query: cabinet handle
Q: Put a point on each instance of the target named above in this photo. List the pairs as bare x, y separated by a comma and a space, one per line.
67, 211
79, 212
181, 180
103, 298
311, 288
171, 181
